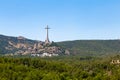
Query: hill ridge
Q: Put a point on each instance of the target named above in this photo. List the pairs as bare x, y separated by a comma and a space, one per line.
23, 46
10, 44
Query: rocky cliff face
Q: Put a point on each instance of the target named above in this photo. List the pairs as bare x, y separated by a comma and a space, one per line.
38, 48
23, 46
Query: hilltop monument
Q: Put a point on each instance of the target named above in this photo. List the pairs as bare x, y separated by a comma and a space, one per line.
24, 46
47, 37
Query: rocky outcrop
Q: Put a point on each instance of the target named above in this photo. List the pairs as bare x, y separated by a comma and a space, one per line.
23, 46
39, 48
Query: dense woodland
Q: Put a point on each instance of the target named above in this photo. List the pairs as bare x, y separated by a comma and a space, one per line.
92, 47
89, 60
59, 68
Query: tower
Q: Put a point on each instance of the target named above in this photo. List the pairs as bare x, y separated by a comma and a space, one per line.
47, 38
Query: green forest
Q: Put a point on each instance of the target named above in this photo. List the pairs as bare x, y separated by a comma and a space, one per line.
91, 47
59, 68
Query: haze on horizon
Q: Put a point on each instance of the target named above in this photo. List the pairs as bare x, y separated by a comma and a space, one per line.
68, 19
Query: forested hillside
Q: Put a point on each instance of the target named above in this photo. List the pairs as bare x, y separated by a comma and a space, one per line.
78, 47
59, 68
8, 43
92, 47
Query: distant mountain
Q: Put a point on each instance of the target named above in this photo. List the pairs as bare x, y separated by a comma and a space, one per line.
92, 47
22, 46
11, 44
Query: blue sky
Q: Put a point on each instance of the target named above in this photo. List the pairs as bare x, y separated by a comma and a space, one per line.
68, 19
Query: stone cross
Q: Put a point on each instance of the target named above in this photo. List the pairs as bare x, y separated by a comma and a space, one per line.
47, 39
